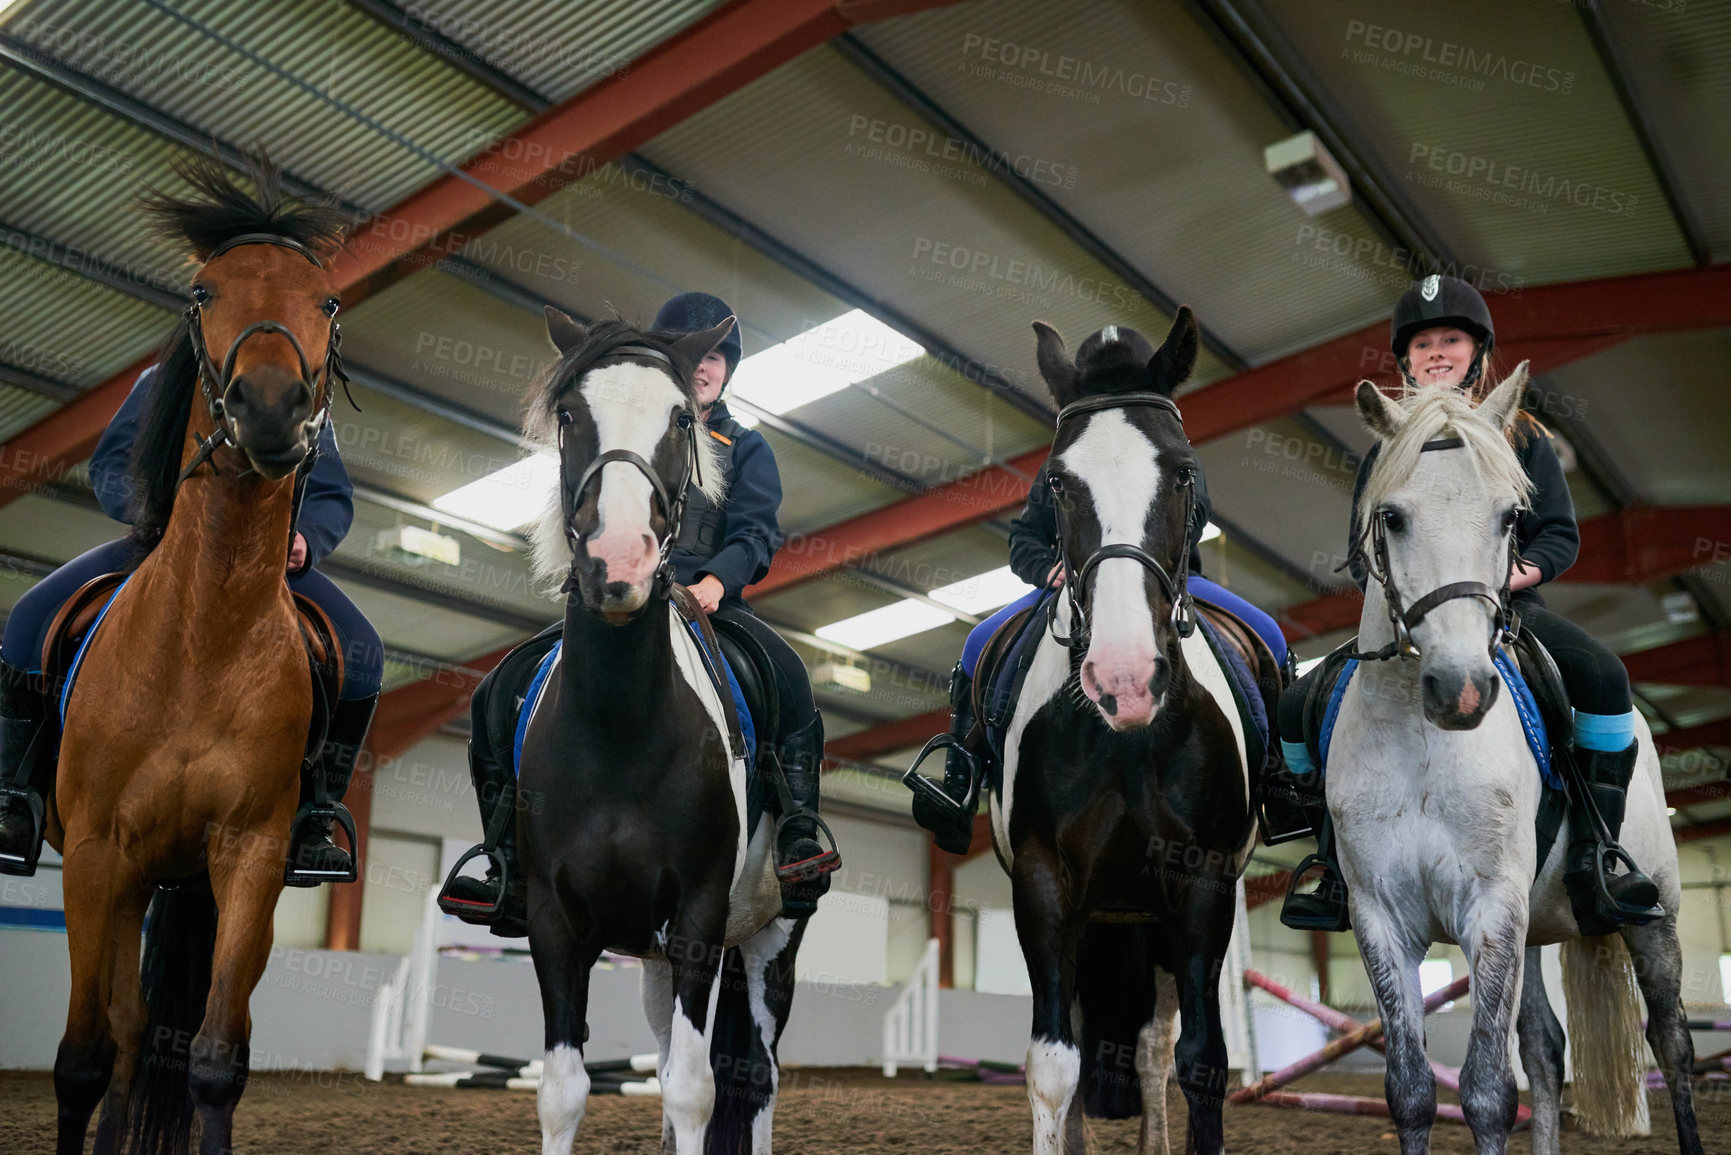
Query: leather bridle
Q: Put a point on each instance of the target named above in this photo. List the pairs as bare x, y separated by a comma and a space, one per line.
672, 505
215, 382
1405, 620
1176, 588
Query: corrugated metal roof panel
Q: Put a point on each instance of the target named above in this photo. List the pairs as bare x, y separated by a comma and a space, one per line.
1154, 140
556, 47
59, 325
20, 409
334, 48
1499, 123
947, 246
1680, 62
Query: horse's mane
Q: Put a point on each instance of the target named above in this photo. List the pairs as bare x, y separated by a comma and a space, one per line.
1433, 413
156, 450
551, 554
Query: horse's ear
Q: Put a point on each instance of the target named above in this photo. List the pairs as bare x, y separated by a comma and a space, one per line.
1172, 363
690, 350
1504, 404
565, 333
1382, 413
1055, 364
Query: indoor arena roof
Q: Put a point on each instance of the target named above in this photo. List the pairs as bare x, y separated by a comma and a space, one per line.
935, 176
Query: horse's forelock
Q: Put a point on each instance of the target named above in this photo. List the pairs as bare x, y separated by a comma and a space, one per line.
1434, 413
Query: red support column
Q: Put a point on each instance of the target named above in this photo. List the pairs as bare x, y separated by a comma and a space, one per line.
941, 910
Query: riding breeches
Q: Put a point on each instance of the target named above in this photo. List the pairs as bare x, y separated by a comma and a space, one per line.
793, 684
1594, 676
27, 625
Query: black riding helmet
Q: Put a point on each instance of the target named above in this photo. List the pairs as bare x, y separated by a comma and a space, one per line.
1131, 346
692, 312
1442, 300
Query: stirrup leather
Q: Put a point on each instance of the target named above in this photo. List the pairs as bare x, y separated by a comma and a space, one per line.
18, 798
928, 789
317, 812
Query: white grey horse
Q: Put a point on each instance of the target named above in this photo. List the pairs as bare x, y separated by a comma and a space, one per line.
1434, 792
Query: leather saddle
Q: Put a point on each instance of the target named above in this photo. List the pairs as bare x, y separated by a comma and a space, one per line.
998, 678
73, 624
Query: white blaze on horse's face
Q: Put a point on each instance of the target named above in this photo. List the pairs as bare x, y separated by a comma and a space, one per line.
1124, 672
632, 407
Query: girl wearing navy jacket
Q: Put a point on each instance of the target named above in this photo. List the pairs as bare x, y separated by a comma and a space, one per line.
1442, 337
327, 509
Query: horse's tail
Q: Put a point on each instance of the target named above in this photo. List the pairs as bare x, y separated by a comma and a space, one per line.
746, 1073
1605, 1041
179, 942
1115, 986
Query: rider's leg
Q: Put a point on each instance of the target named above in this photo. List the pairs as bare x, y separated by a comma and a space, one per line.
1325, 907
492, 772
313, 855
26, 743
1604, 762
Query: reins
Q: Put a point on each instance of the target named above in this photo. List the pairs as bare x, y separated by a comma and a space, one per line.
1404, 621
1176, 589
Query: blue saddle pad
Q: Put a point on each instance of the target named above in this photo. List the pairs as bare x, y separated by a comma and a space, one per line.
1243, 680
538, 686
1532, 724
78, 658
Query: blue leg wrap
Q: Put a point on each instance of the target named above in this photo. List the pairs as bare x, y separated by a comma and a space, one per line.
1298, 758
1605, 732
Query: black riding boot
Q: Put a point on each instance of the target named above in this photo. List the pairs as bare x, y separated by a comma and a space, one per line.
1603, 900
500, 900
1325, 907
802, 865
313, 856
26, 769
952, 824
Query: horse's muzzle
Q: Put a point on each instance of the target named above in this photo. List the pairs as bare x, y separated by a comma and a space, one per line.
1128, 694
270, 413
1453, 702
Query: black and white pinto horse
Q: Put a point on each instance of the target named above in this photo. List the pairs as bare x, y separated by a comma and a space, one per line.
633, 833
1123, 813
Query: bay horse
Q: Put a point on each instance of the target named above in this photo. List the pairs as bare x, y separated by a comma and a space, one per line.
1122, 814
638, 839
179, 769
1434, 794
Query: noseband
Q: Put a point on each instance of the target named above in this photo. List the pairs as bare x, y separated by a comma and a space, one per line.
1176, 589
672, 507
1405, 620
215, 383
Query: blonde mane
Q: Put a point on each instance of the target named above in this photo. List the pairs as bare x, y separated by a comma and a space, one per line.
1432, 413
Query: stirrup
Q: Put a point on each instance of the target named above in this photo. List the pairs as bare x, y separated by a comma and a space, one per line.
1621, 913
807, 869
334, 812
961, 813
1335, 920
17, 798
475, 913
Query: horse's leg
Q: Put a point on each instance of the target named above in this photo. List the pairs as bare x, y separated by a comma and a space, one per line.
658, 1009
563, 957
126, 1019
246, 888
1495, 945
91, 877
1659, 972
1200, 1057
687, 1081
1391, 960
1154, 1050
1050, 933
754, 1077
1541, 1038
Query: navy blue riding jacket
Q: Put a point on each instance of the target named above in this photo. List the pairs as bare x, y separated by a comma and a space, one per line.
736, 541
1034, 534
327, 509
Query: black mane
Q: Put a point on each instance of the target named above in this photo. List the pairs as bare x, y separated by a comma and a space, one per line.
217, 210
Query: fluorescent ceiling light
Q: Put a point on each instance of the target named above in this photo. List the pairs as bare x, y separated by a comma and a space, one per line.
505, 500
881, 626
982, 593
851, 348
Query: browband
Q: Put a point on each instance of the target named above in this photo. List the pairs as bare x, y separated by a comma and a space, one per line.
638, 351
1119, 401
265, 239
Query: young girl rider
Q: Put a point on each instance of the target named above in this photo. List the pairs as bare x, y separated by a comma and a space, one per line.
717, 552
27, 714
1034, 557
1442, 337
